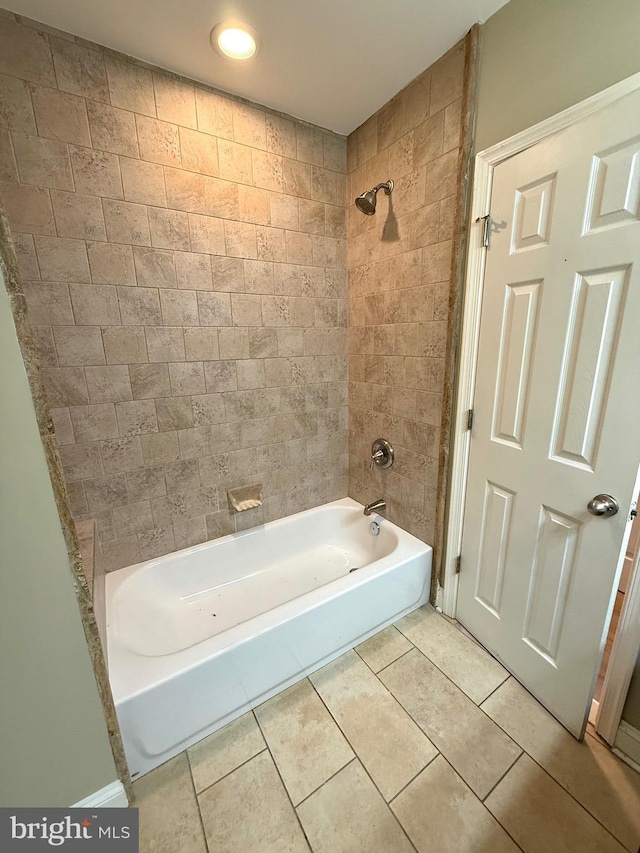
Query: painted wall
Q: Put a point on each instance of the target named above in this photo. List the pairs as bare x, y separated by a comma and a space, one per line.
541, 56
53, 739
399, 288
183, 256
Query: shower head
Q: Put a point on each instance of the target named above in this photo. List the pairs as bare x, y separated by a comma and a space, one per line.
367, 201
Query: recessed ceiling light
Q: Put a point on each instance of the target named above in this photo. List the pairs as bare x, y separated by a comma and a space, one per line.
234, 40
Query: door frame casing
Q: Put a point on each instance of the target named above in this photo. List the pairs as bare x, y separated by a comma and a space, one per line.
485, 163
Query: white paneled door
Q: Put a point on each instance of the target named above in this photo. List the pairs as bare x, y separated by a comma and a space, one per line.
557, 407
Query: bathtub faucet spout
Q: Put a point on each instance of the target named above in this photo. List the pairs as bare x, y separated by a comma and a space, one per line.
376, 506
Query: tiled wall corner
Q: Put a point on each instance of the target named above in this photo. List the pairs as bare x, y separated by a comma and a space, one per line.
399, 282
183, 258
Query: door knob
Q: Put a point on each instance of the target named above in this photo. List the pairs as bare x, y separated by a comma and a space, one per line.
603, 505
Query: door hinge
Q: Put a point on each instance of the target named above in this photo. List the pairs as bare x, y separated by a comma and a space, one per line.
458, 561
470, 417
486, 230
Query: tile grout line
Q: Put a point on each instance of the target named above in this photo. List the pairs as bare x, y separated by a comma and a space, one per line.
193, 788
328, 779
413, 778
386, 664
364, 768
242, 764
482, 803
297, 816
509, 736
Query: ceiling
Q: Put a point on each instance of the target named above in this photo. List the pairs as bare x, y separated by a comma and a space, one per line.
330, 62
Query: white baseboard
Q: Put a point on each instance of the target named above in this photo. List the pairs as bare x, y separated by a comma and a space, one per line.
112, 797
627, 744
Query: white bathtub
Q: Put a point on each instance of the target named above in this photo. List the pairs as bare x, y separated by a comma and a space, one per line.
198, 637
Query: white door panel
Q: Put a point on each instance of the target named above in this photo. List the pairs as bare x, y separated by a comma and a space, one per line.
557, 406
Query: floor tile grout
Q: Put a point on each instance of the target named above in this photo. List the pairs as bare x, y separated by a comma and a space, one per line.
329, 778
523, 750
391, 663
242, 764
195, 795
413, 778
365, 769
282, 782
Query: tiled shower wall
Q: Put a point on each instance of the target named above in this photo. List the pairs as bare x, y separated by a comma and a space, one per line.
183, 259
399, 290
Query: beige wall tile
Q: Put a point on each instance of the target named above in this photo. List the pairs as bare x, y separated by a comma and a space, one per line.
94, 305
165, 344
249, 126
8, 166
125, 345
62, 260
16, 110
48, 303
95, 172
26, 256
111, 263
102, 259
296, 178
185, 190
79, 70
446, 80
235, 161
44, 162
139, 306
60, 116
108, 384
228, 274
158, 141
193, 271
280, 136
207, 234
309, 144
25, 53
65, 386
267, 170
112, 129
78, 216
143, 182
169, 229
175, 100
28, 208
160, 447
214, 113
77, 346
130, 86
179, 308
201, 344
93, 423
126, 223
81, 461
136, 417
254, 205
154, 268
149, 381
221, 198
199, 152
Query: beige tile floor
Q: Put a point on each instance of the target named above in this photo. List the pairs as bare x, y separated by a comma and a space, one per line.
417, 740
